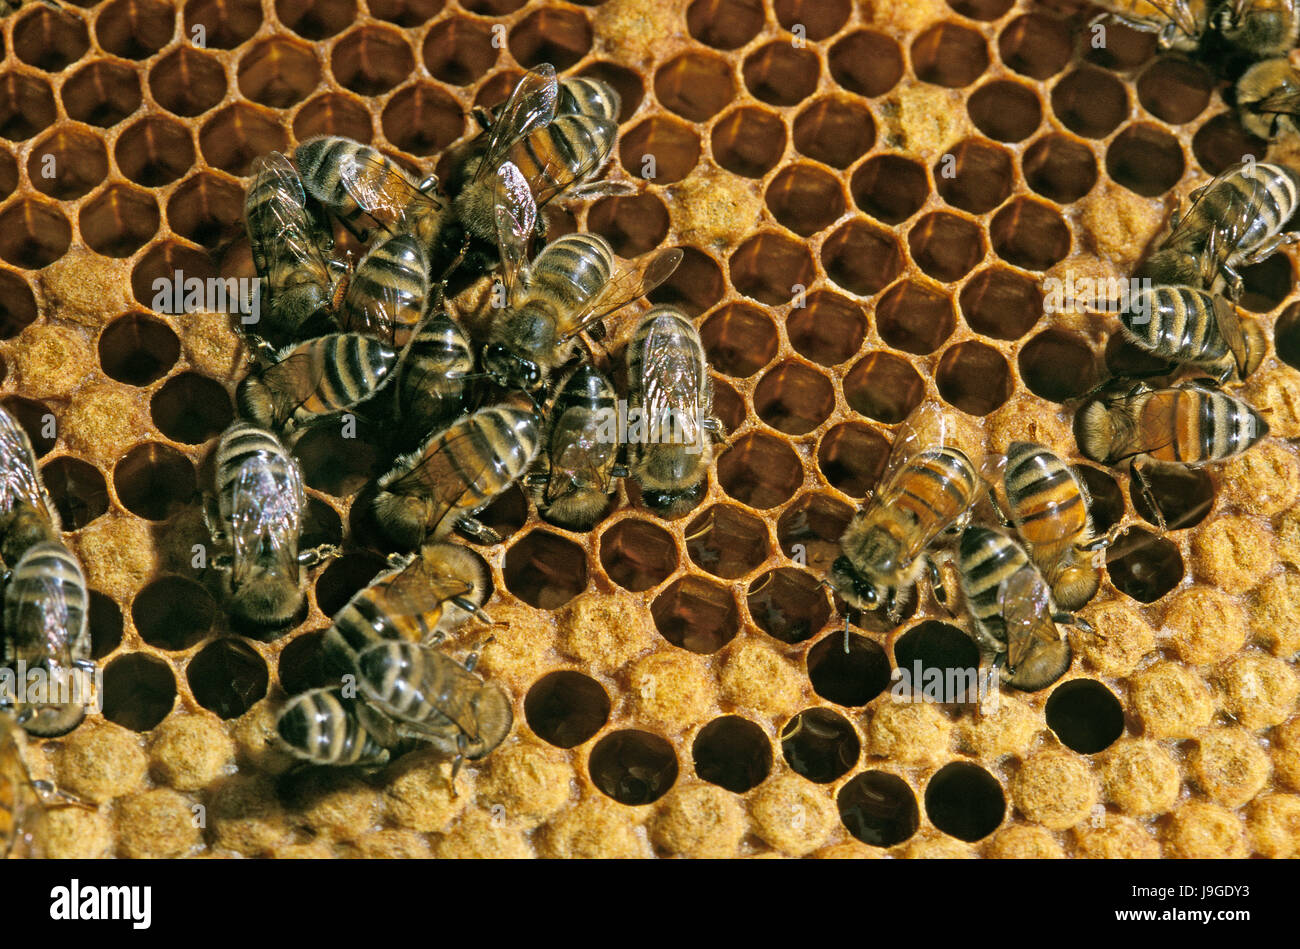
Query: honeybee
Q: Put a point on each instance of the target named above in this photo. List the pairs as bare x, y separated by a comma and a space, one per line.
46, 627
387, 294
574, 95
315, 378
367, 190
1193, 326
27, 515
929, 487
258, 518
433, 379
1049, 507
456, 473
1257, 28
1268, 99
429, 696
1178, 24
670, 393
420, 599
289, 247
1188, 424
321, 727
581, 451
1235, 220
1012, 609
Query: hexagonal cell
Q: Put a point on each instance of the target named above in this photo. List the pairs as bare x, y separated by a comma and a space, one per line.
694, 286
8, 174
827, 329
154, 481
1219, 143
1105, 500
820, 745
794, 398
33, 234
981, 9
77, 489
1085, 715
884, 387
726, 541
1058, 365
788, 604
17, 304
974, 377
173, 613
1266, 284
781, 74
1059, 168
67, 163
728, 406
936, 646
1001, 303
1036, 45
371, 60
834, 130
1145, 159
890, 188
724, 24
733, 753
805, 199
557, 36
137, 349
1125, 47
566, 708
948, 54
1175, 90
626, 82
135, 29
852, 457
851, 678
545, 570
190, 408
406, 12
206, 209
695, 85
161, 262
1005, 110
105, 621
50, 39
237, 135
1090, 102
26, 106
223, 24
1126, 358
316, 19
1286, 335
965, 801
139, 690
816, 19
321, 524
333, 114
633, 224
1030, 234
32, 416
878, 809
459, 50
810, 530
915, 317
632, 766
771, 268
119, 220
862, 258
866, 62
154, 151
637, 555
739, 339
748, 141
945, 246
976, 176
278, 72
674, 146
760, 471
1183, 495
506, 514
228, 677
1143, 565
696, 614
302, 664
187, 81
344, 578
422, 119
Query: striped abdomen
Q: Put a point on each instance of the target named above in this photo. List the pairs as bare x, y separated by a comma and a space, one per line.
45, 607
282, 235
579, 95
1191, 426
929, 493
419, 685
488, 452
432, 386
368, 619
570, 143
242, 442
1177, 323
334, 372
1271, 192
571, 270
1046, 499
987, 559
388, 291
317, 727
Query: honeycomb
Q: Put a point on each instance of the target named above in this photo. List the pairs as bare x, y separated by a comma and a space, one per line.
870, 196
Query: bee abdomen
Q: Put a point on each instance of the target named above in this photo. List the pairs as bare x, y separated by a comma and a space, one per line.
1042, 490
320, 728
242, 441
389, 286
46, 567
1177, 323
353, 367
987, 558
574, 268
579, 95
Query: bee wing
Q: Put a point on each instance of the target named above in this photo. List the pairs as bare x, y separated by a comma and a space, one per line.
516, 216
531, 106
380, 188
1027, 612
280, 228
1229, 322
291, 381
18, 478
413, 592
266, 514
1285, 101
631, 279
556, 179
928, 426
44, 612
602, 189
672, 377
439, 477
578, 454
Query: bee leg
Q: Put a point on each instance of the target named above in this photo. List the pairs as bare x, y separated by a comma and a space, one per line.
310, 558
476, 530
212, 519
1269, 248
1147, 494
53, 796
400, 561
537, 479
936, 583
469, 606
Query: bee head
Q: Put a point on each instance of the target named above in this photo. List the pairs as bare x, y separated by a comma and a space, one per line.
855, 589
1094, 430
672, 503
493, 712
266, 602
402, 518
510, 370
254, 401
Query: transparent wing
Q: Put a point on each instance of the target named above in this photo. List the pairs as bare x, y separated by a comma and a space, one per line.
580, 454
602, 189
928, 426
555, 178
1284, 101
1027, 612
280, 228
291, 381
631, 279
440, 477
413, 592
1228, 321
375, 303
18, 478
531, 106
516, 216
672, 376
266, 514
380, 187
40, 628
